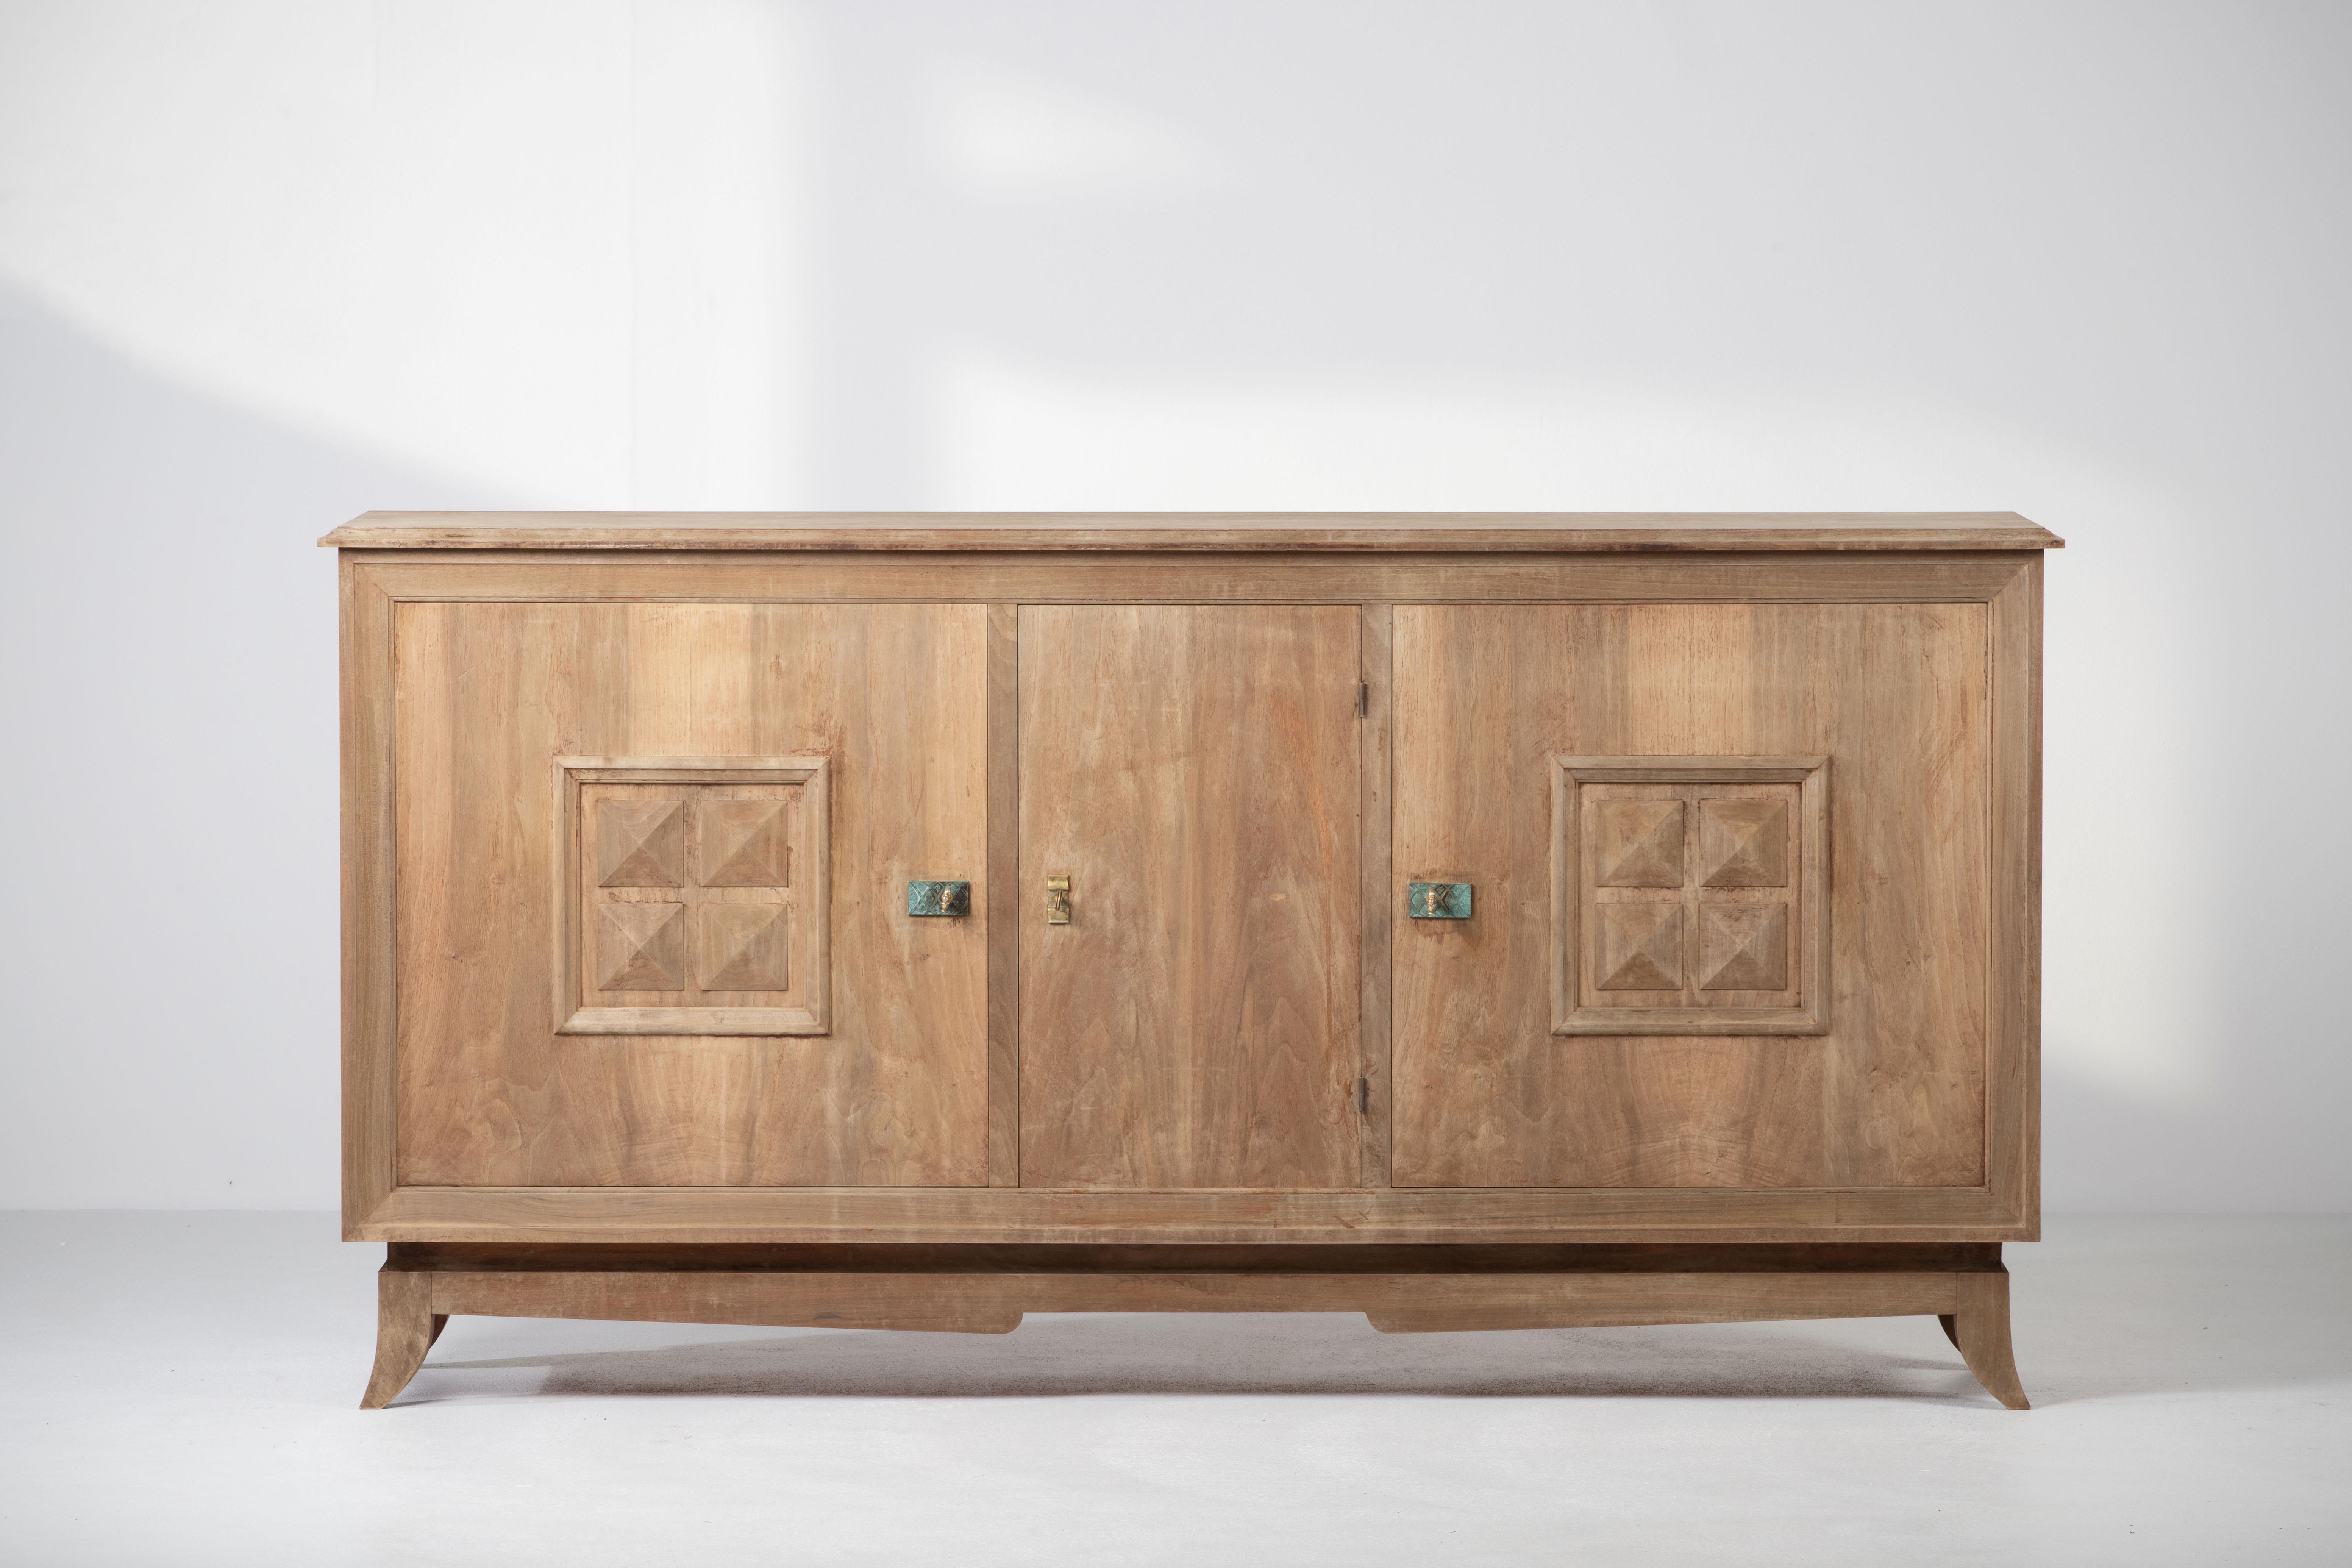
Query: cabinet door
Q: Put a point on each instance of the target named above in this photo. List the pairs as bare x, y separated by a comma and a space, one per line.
652, 920
1193, 772
1729, 880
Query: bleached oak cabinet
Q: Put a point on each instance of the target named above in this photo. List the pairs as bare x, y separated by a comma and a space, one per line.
915, 922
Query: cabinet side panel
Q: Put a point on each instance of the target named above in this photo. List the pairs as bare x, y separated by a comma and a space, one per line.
1893, 1095
2014, 1087
489, 694
370, 1064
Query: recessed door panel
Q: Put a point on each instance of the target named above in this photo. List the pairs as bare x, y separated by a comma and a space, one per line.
651, 877
1731, 922
1192, 771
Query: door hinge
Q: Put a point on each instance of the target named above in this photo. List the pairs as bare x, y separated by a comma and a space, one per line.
1364, 699
1363, 1097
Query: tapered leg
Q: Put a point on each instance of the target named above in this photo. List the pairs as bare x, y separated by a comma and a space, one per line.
406, 1326
1980, 1328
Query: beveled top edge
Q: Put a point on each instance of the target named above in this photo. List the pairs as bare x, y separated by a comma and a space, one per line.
1175, 531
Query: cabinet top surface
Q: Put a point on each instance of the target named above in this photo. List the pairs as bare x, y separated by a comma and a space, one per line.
1172, 531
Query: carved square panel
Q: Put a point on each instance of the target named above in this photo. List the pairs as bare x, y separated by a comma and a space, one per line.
744, 843
640, 842
1743, 843
1690, 895
1638, 843
1640, 947
694, 899
1743, 947
742, 947
640, 947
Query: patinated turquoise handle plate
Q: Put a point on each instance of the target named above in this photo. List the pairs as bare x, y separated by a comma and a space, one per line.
938, 898
1437, 901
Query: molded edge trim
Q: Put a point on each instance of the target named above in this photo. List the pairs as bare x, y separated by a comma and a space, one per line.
1177, 531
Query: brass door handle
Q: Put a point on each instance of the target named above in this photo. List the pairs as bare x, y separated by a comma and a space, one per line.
1058, 901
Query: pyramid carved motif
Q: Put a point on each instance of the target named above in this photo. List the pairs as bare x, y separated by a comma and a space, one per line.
695, 896
640, 842
745, 843
741, 947
1638, 843
640, 947
1744, 947
1640, 947
1689, 894
1744, 843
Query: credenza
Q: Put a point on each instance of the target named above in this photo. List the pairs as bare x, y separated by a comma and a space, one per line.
914, 921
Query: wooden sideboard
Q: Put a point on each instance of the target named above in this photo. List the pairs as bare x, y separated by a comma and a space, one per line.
915, 922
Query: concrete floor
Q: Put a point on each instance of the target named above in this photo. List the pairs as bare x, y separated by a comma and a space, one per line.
182, 1390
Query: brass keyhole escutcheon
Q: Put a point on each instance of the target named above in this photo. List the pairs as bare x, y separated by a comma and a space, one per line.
1058, 901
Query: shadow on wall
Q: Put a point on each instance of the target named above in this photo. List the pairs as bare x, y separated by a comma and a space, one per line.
1030, 255
172, 700
169, 639
1643, 260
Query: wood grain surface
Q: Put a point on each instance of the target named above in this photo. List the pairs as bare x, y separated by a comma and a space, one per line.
1979, 1328
995, 1301
405, 1328
1412, 1217
1002, 890
757, 927
489, 694
1379, 915
1194, 770
1200, 577
371, 1060
983, 1258
1893, 1095
486, 1131
2013, 882
989, 1289
1193, 530
1635, 830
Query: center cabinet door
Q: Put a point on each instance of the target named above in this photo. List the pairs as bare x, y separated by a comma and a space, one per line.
1192, 770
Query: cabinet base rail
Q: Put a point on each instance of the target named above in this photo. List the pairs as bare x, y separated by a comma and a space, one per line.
987, 1290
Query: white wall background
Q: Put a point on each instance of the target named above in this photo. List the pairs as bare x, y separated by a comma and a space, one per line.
265, 266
